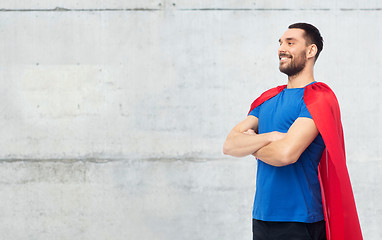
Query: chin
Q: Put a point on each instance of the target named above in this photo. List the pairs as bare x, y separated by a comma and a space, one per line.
282, 69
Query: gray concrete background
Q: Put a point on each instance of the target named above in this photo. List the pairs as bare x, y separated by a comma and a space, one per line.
113, 113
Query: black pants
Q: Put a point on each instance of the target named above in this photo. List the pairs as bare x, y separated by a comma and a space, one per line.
288, 230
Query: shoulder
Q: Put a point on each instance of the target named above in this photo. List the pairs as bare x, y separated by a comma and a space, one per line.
322, 104
272, 92
266, 96
320, 93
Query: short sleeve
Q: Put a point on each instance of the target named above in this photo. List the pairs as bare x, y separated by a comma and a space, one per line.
304, 111
255, 112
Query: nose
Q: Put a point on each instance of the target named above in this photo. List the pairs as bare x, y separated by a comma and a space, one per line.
281, 49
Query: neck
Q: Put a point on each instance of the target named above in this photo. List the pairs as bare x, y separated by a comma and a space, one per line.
301, 79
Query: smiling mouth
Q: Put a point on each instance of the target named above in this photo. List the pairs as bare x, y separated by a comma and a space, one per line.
284, 58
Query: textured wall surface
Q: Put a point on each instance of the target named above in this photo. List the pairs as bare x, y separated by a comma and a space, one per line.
113, 113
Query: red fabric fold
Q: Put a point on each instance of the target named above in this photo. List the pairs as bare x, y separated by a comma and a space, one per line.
337, 195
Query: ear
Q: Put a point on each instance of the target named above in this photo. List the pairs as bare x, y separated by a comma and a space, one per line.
312, 51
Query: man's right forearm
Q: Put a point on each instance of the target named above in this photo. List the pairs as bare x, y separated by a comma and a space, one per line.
239, 144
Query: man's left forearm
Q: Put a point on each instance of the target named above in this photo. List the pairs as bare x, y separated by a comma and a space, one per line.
276, 154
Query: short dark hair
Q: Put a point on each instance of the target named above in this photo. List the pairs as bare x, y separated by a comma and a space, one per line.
312, 35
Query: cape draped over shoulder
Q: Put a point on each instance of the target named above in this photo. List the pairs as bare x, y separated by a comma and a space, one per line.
337, 195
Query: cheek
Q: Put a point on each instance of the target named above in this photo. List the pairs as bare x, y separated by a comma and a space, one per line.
300, 55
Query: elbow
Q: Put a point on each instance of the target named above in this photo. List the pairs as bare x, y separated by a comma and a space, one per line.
227, 148
288, 157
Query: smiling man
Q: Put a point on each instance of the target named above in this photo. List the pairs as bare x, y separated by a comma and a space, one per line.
303, 189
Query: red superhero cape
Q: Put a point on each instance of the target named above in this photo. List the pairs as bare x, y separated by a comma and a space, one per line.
337, 195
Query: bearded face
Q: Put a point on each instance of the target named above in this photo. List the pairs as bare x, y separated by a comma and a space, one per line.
292, 65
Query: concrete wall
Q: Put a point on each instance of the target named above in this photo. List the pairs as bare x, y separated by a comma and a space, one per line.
113, 113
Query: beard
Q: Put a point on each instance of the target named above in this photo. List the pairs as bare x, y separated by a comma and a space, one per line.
295, 66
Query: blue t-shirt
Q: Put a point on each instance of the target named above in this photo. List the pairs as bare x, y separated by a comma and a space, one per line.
290, 193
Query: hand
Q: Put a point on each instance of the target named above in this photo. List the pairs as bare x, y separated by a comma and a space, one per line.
272, 136
250, 132
275, 136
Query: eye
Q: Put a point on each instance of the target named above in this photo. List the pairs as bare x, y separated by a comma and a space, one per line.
290, 43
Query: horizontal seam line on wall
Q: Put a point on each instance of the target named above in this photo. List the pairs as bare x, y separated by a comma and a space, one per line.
107, 160
59, 9
68, 160
80, 10
252, 9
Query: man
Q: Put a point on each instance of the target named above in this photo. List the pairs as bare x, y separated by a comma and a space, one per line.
303, 189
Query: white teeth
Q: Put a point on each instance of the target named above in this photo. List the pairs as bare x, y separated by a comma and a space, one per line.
283, 58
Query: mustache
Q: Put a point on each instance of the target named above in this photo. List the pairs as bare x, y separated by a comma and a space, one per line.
285, 55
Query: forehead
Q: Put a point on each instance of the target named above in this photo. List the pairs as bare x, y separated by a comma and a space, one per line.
293, 33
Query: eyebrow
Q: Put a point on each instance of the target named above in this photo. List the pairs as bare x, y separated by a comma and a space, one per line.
289, 39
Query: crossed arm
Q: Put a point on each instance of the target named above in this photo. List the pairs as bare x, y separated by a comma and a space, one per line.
275, 148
